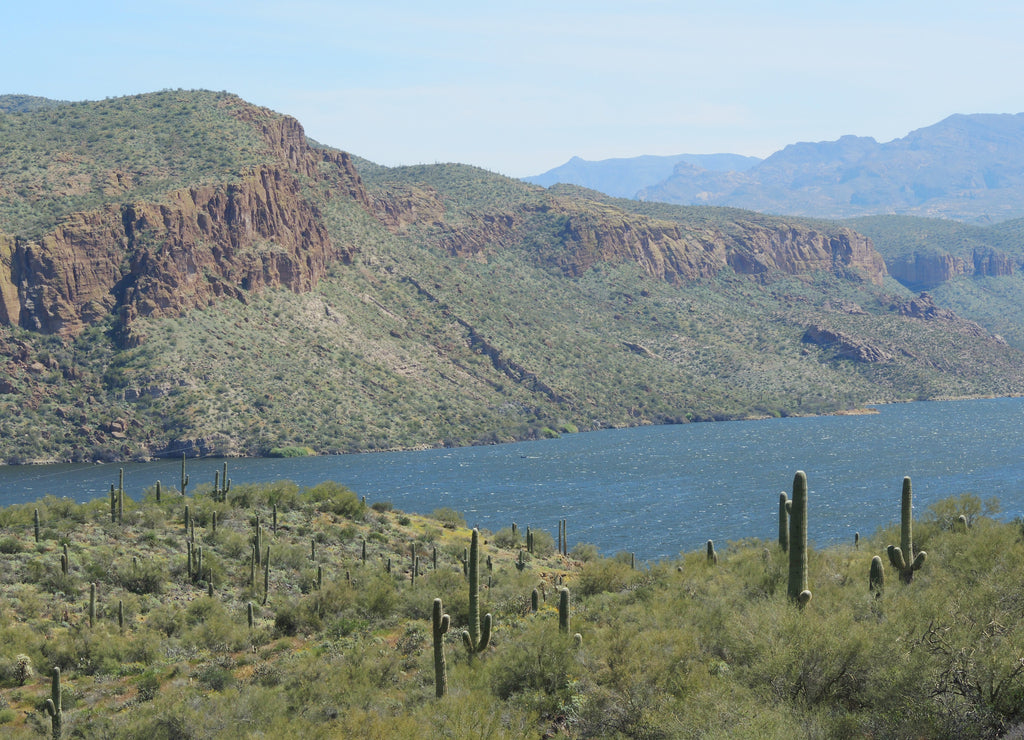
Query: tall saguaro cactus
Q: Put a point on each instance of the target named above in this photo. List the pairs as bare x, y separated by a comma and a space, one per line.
440, 624
784, 505
903, 558
563, 610
797, 589
478, 635
53, 706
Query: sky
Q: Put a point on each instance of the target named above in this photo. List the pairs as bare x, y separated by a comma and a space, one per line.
521, 87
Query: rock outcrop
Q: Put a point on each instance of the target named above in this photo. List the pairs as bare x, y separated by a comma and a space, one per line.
926, 270
844, 345
590, 233
185, 250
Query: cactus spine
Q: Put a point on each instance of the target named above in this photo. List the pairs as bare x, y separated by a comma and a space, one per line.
53, 706
784, 505
902, 557
478, 635
797, 589
563, 610
876, 577
440, 621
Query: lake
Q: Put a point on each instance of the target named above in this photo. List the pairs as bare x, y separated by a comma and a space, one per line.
653, 491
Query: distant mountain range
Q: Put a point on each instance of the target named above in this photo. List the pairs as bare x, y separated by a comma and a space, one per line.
966, 167
624, 178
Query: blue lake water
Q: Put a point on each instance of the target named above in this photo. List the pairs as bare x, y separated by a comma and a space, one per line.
653, 491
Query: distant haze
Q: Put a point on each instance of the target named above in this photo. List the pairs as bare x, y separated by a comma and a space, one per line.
625, 177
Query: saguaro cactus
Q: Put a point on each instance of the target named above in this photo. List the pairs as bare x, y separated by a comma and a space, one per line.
563, 610
712, 555
35, 517
184, 478
53, 706
221, 486
797, 588
903, 558
876, 577
784, 505
478, 635
440, 621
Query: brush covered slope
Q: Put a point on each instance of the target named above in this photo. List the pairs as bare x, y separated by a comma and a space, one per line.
164, 624
183, 272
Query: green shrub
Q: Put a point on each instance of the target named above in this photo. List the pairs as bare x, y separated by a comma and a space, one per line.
449, 518
11, 546
336, 499
506, 539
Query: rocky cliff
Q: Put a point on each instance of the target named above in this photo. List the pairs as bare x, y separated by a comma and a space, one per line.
185, 249
588, 233
928, 269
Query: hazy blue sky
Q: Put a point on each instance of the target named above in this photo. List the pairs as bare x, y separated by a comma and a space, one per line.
520, 87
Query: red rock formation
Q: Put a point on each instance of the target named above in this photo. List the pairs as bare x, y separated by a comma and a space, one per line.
191, 247
666, 250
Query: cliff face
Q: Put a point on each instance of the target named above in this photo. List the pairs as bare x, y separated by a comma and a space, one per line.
664, 249
928, 270
191, 247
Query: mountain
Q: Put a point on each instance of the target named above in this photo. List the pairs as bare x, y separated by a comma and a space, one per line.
966, 167
625, 177
184, 272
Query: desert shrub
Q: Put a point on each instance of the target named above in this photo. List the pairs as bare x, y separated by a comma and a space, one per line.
215, 677
147, 685
145, 577
381, 506
604, 574
543, 543
11, 546
507, 539
377, 597
449, 518
537, 664
584, 551
336, 499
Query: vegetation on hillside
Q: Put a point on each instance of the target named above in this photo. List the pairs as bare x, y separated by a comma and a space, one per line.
460, 313
151, 642
78, 156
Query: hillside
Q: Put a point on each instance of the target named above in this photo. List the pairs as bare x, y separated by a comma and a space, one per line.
973, 269
185, 272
